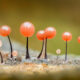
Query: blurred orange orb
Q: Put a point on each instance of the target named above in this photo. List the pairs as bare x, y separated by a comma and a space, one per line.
50, 32
15, 53
5, 30
41, 35
67, 36
0, 43
79, 39
27, 29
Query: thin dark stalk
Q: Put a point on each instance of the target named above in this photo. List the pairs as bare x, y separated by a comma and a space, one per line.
46, 48
41, 50
57, 56
27, 50
1, 57
10, 46
66, 52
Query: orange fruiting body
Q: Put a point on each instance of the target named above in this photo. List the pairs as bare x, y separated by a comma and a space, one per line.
67, 36
41, 35
5, 30
27, 29
50, 32
79, 39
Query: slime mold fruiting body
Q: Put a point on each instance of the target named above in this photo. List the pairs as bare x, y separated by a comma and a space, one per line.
58, 51
41, 36
5, 31
66, 37
48, 33
27, 30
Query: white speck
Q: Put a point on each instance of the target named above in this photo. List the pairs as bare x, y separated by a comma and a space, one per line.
58, 51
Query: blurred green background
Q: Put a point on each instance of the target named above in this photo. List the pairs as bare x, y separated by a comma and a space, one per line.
64, 15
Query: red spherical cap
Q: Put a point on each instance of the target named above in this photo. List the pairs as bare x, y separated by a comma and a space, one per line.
50, 32
79, 39
5, 30
41, 35
67, 36
27, 29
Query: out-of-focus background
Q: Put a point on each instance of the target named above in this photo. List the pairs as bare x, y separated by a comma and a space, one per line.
64, 15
